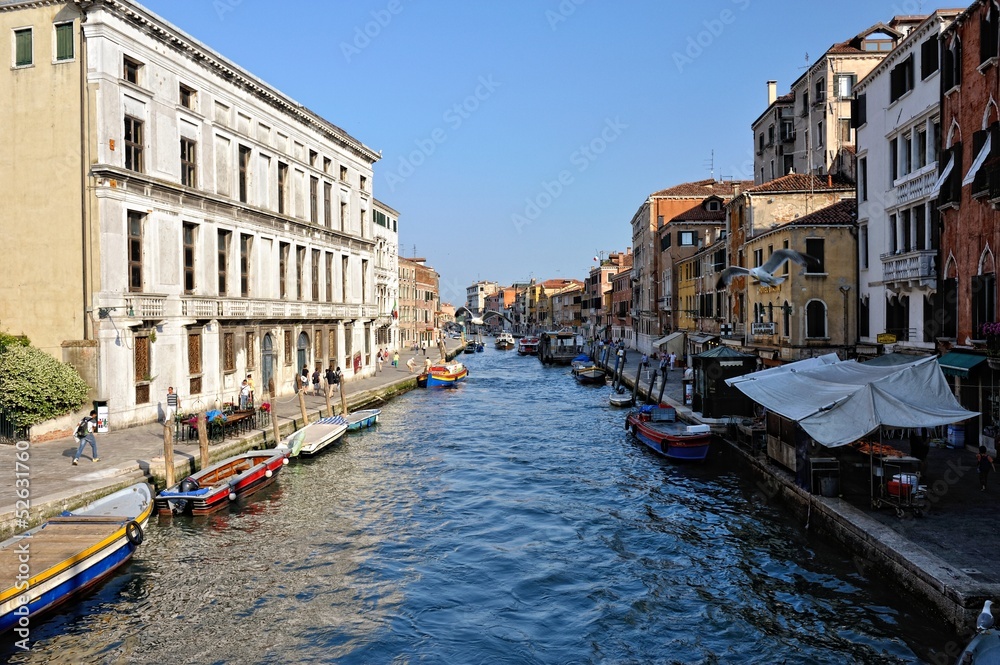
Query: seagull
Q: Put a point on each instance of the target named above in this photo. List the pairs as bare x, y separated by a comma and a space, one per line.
985, 620
478, 320
765, 273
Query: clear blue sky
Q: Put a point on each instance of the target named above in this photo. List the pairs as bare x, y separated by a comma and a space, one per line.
579, 107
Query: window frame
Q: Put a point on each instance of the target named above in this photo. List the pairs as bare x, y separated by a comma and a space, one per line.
134, 223
131, 70
15, 33
189, 162
189, 251
133, 140
56, 27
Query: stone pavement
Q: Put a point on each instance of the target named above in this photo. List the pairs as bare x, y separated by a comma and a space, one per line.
125, 454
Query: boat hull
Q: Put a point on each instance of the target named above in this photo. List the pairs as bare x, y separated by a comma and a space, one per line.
233, 478
316, 436
447, 375
669, 440
359, 420
73, 573
590, 377
622, 400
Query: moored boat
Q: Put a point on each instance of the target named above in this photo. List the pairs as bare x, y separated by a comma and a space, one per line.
470, 347
72, 553
559, 347
358, 420
527, 346
658, 428
447, 374
214, 487
590, 376
620, 398
504, 341
316, 436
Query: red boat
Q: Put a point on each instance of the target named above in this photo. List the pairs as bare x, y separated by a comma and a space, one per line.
214, 487
527, 346
658, 428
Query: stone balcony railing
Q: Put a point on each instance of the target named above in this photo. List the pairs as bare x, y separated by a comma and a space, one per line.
913, 268
145, 305
245, 308
914, 186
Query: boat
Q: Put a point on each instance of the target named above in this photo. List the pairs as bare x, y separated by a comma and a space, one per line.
658, 428
70, 554
592, 375
470, 347
479, 347
527, 346
359, 420
422, 379
316, 436
504, 341
559, 346
447, 374
214, 487
984, 647
620, 398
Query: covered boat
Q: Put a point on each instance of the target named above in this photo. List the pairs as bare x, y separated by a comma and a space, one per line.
658, 428
358, 420
447, 374
316, 436
72, 553
559, 347
214, 487
527, 346
504, 341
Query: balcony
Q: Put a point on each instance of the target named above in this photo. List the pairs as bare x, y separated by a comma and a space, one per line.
915, 268
145, 305
243, 308
913, 186
787, 137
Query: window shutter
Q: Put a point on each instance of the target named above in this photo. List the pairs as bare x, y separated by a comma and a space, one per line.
23, 48
64, 41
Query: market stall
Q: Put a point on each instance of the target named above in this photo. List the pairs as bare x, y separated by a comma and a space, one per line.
838, 403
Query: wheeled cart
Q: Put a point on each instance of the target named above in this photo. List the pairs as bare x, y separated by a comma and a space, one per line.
896, 484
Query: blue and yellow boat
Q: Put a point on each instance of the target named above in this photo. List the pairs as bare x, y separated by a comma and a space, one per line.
447, 374
70, 554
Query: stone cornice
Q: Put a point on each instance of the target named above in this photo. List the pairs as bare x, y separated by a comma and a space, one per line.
173, 37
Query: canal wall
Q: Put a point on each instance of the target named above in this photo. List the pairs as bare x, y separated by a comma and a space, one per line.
876, 550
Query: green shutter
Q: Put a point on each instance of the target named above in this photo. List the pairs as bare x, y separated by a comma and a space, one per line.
22, 55
64, 41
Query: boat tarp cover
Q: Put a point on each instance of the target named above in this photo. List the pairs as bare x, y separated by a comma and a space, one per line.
840, 402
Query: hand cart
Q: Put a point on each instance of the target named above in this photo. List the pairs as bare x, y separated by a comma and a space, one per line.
896, 484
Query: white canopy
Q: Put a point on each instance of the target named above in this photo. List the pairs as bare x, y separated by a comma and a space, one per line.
841, 402
939, 183
984, 152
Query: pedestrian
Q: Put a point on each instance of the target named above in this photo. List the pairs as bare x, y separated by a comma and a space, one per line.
253, 388
645, 360
395, 359
171, 409
85, 434
338, 376
664, 360
673, 361
245, 395
304, 378
427, 365
423, 345
410, 364
330, 376
985, 464
378, 362
316, 376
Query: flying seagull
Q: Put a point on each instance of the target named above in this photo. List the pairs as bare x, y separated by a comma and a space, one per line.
985, 620
765, 273
478, 320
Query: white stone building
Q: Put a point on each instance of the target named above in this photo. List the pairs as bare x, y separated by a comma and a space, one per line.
898, 132
226, 229
386, 227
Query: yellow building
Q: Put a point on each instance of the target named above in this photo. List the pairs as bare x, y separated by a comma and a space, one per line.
814, 311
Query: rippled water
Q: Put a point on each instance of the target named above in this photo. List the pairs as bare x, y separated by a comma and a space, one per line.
510, 520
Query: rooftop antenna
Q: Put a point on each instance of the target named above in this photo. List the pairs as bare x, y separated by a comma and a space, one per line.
414, 250
711, 164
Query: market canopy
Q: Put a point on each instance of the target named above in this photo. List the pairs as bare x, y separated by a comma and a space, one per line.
837, 403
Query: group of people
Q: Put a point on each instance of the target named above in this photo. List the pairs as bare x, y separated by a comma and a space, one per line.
382, 356
333, 377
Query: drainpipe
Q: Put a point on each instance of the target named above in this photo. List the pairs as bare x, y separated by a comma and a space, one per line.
87, 291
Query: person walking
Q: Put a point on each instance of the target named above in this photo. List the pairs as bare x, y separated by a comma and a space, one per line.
85, 434
410, 364
171, 409
673, 361
316, 376
984, 463
664, 361
253, 388
395, 359
245, 395
378, 362
330, 377
304, 378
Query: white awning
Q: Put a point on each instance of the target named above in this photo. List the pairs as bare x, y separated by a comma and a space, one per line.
984, 152
841, 402
664, 340
939, 183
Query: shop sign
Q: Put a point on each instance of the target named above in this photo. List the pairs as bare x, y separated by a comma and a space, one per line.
885, 338
762, 328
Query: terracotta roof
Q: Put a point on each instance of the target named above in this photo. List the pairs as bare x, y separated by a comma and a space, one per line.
842, 213
560, 283
800, 182
704, 188
853, 45
699, 214
788, 98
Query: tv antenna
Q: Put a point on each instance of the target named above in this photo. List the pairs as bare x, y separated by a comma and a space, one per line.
711, 164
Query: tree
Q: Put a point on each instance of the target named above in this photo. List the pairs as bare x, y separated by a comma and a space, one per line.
35, 387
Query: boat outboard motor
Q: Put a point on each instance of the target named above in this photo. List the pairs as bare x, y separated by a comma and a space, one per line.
189, 485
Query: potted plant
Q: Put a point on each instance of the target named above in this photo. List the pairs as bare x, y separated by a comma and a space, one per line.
991, 333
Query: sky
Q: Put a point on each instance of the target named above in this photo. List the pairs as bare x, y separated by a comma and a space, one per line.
519, 137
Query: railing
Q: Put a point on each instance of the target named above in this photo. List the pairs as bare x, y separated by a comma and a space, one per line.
144, 305
913, 266
9, 433
238, 308
916, 185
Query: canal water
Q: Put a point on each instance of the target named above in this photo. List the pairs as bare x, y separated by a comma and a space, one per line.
510, 520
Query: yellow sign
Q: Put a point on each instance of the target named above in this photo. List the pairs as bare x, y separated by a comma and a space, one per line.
768, 289
885, 338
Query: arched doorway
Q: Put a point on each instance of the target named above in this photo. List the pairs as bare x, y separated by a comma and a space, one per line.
303, 352
267, 363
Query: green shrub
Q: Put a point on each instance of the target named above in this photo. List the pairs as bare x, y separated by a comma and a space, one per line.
35, 387
7, 340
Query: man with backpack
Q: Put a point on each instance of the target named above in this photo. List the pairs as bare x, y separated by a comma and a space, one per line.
85, 434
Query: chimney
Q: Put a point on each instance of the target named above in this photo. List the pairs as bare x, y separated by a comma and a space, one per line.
772, 92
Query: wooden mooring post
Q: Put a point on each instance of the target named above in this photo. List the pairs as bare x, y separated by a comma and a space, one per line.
168, 454
203, 438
